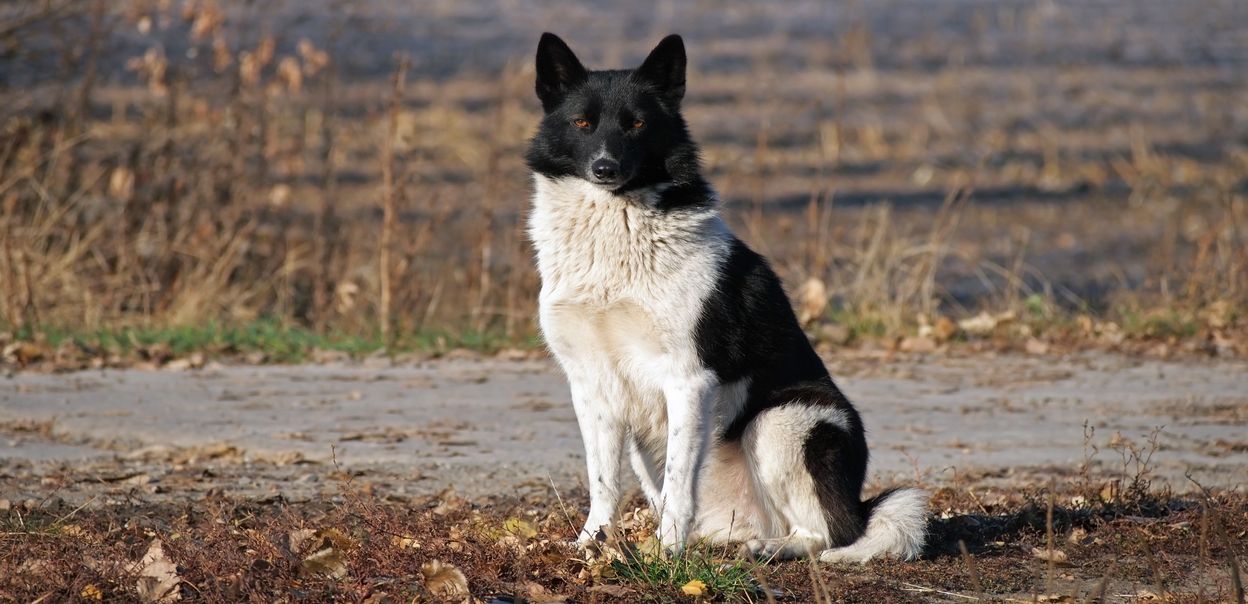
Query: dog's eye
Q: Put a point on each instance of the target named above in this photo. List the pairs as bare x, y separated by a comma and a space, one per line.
638, 124
581, 123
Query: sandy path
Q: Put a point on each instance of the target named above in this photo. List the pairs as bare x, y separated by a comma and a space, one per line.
488, 426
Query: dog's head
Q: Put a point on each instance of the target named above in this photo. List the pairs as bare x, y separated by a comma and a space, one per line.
619, 129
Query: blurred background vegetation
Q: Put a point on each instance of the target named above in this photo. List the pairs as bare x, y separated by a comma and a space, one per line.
294, 176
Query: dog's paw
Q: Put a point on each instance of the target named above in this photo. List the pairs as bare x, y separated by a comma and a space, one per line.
788, 548
589, 543
590, 537
672, 541
758, 549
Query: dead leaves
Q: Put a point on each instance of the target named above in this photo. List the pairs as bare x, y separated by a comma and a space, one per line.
812, 300
1079, 536
158, 580
23, 353
613, 590
91, 592
985, 323
939, 331
538, 594
520, 528
1055, 556
917, 344
444, 580
321, 552
944, 329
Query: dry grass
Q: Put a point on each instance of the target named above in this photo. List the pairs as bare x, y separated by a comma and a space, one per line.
1086, 537
240, 184
368, 547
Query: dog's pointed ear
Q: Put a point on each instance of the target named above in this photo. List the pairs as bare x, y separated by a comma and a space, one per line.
558, 70
665, 68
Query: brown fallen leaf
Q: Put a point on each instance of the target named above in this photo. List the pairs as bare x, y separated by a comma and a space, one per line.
921, 344
448, 501
652, 547
337, 538
519, 528
327, 562
91, 592
300, 540
537, 594
73, 530
618, 591
380, 597
812, 300
1056, 556
158, 577
321, 551
24, 353
944, 329
36, 567
442, 579
985, 323
1036, 347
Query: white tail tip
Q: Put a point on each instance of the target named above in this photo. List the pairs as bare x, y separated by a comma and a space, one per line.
896, 527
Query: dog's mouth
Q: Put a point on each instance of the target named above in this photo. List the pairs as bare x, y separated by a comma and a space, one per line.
606, 183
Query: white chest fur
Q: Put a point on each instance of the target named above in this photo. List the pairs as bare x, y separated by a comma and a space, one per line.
622, 283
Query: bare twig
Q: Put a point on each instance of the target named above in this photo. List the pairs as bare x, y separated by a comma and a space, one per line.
385, 267
970, 567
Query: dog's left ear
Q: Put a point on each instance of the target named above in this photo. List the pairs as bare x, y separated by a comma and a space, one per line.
665, 68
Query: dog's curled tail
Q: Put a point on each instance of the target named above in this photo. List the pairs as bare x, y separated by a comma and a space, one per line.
896, 527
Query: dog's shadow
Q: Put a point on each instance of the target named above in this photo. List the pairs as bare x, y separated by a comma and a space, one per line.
984, 534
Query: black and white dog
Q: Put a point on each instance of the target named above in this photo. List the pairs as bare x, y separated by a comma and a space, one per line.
679, 344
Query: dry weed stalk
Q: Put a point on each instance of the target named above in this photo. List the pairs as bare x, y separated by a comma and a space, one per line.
389, 199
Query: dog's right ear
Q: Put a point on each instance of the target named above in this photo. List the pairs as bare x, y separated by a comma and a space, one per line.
558, 70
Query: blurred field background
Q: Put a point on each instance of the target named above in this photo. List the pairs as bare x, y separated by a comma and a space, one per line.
292, 176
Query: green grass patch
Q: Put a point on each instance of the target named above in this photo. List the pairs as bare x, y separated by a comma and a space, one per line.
725, 577
278, 341
1161, 324
861, 324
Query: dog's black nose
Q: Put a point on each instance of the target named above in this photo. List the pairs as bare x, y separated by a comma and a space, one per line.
605, 169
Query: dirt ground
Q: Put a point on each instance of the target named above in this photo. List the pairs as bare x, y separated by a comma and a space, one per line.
489, 427
235, 470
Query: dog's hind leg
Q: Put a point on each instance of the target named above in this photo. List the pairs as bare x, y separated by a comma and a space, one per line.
807, 461
728, 509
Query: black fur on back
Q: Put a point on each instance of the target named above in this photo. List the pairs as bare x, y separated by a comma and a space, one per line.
748, 331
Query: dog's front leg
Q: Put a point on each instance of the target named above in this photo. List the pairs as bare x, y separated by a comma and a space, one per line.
690, 402
604, 434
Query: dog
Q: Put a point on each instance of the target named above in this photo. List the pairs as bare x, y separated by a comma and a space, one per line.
681, 349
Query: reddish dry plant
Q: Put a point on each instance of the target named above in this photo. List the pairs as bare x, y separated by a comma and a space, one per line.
365, 546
